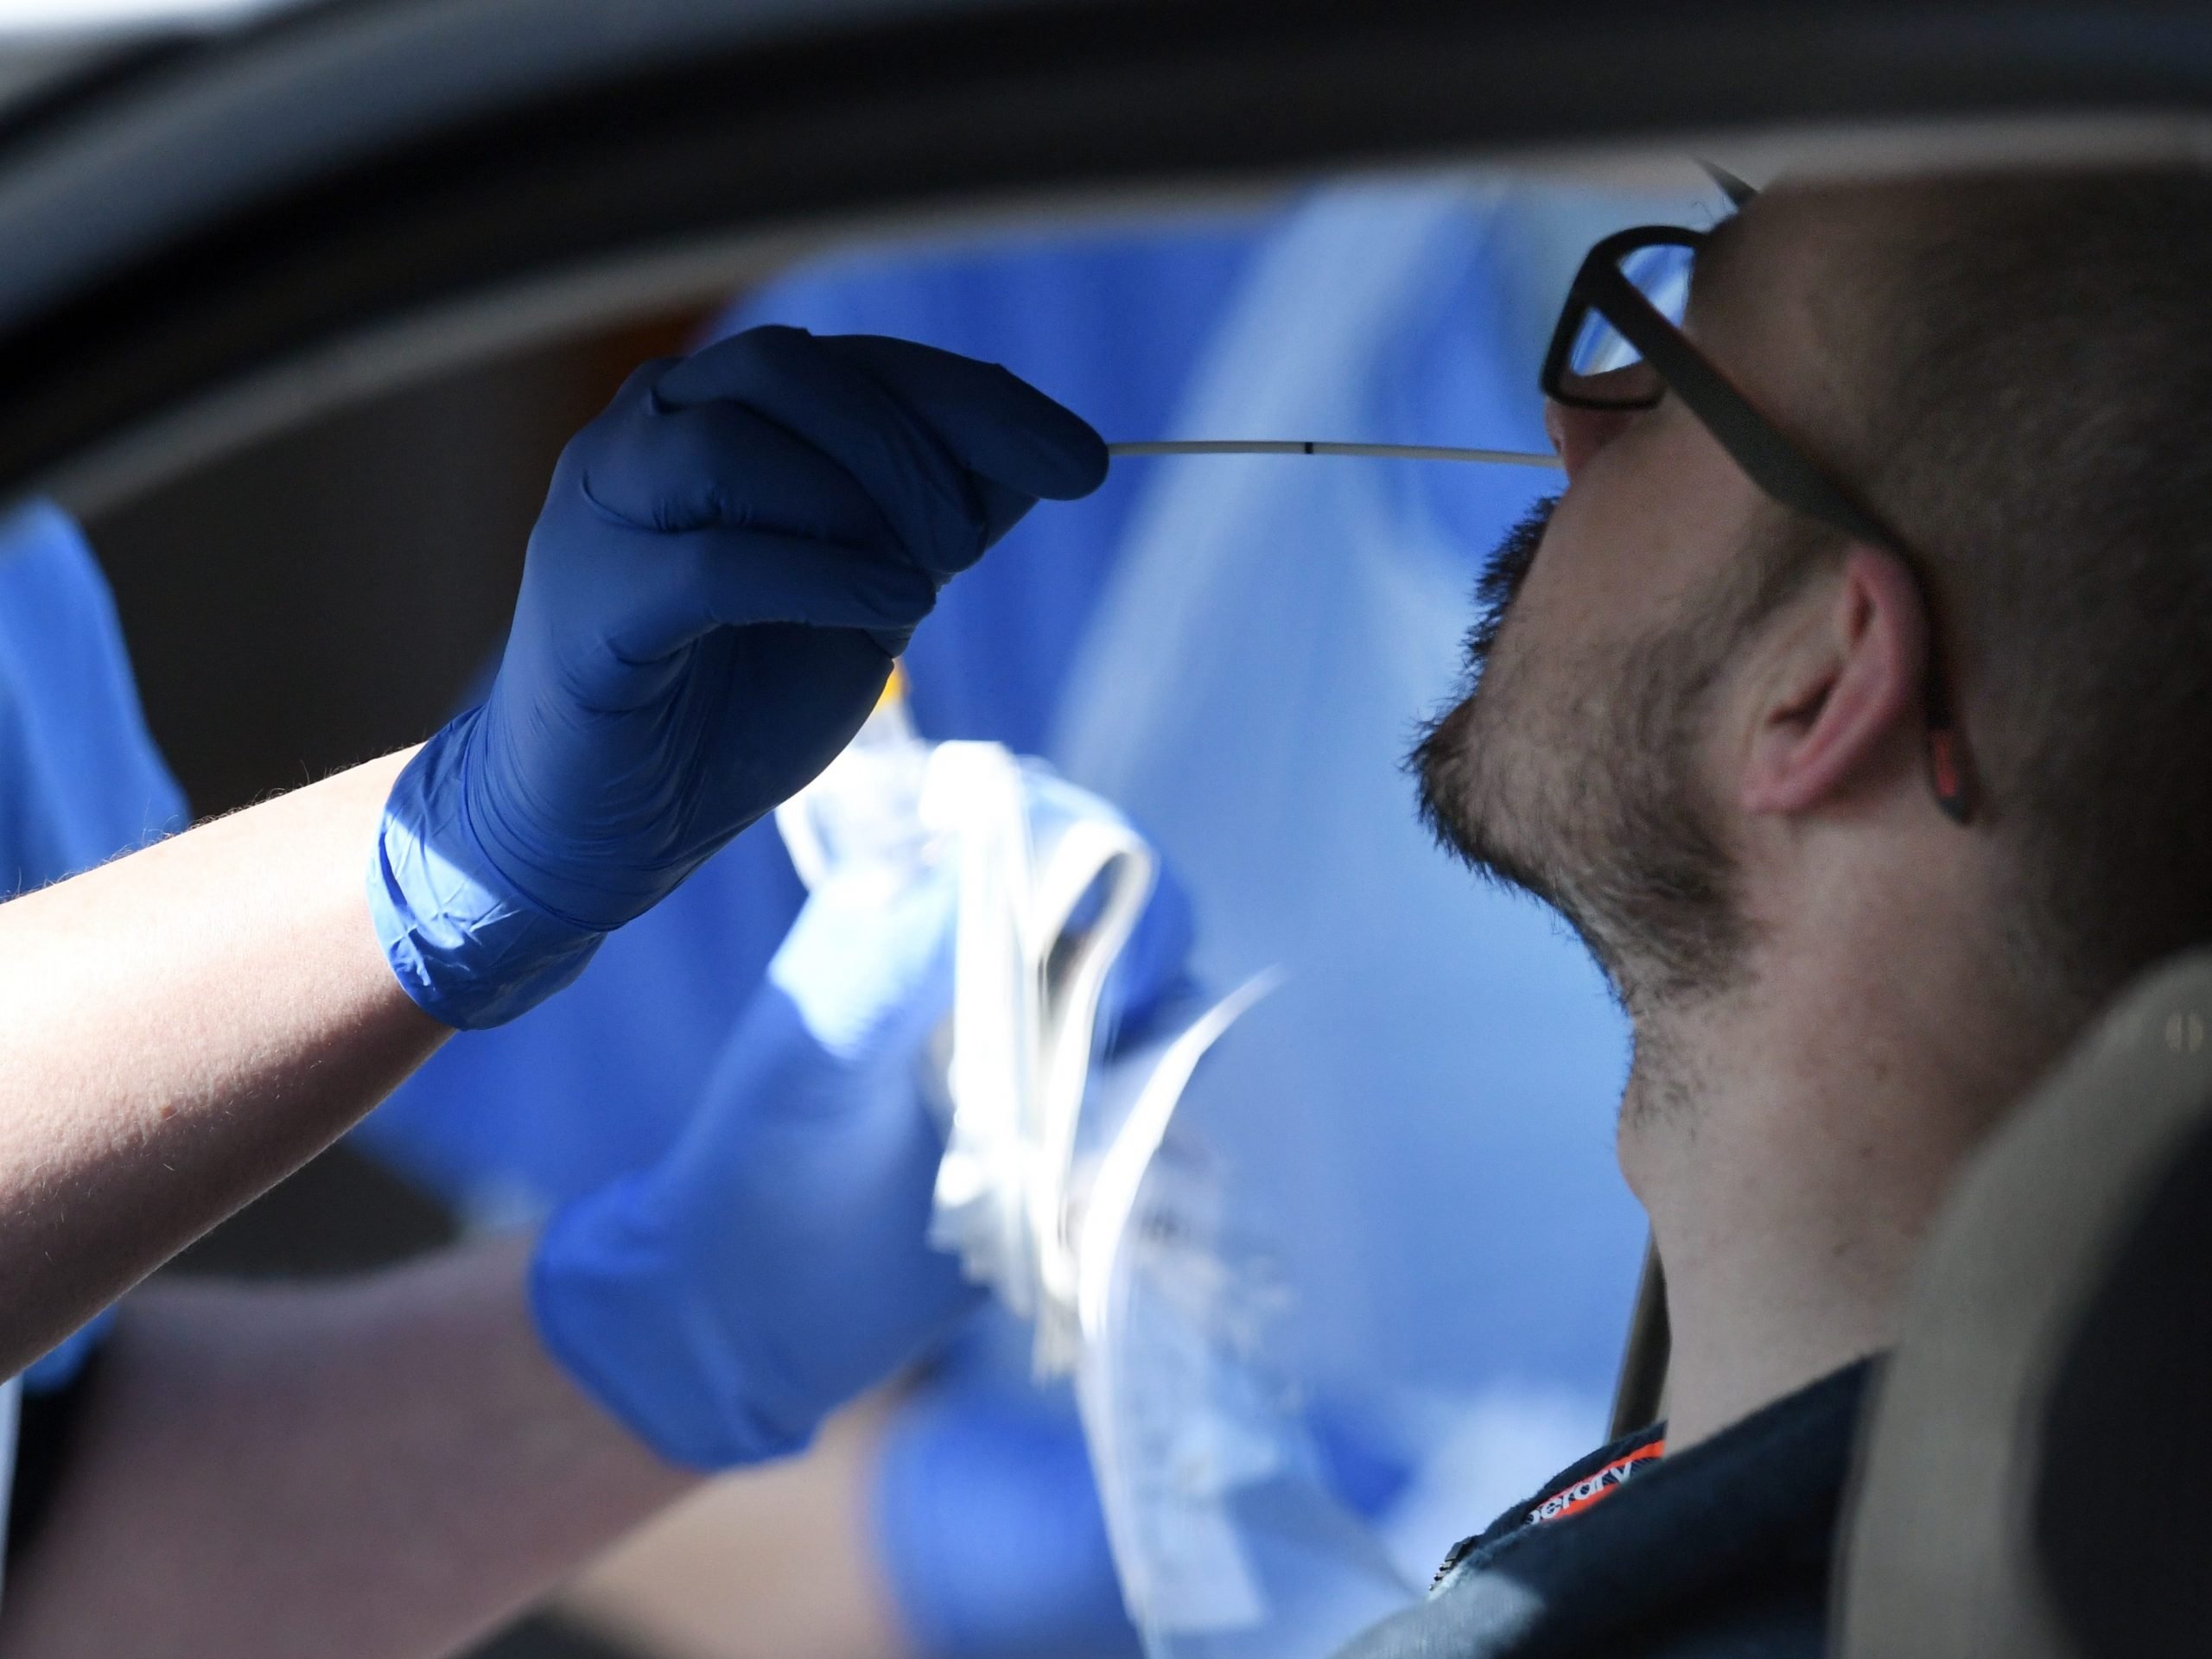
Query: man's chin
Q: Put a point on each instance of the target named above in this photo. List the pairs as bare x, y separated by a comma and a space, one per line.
1444, 767
1460, 803
1467, 806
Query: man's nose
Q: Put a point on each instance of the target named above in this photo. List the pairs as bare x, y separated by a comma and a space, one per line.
1579, 434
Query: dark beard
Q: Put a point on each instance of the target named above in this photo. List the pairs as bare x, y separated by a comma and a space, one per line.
1595, 809
1503, 572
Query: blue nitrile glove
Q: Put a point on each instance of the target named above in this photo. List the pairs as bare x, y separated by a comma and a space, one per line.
728, 559
777, 1263
989, 1527
987, 1524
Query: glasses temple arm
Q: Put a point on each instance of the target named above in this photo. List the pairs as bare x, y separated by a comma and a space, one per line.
1784, 472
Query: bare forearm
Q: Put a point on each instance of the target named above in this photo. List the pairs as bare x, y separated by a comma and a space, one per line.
180, 1029
380, 1470
777, 1559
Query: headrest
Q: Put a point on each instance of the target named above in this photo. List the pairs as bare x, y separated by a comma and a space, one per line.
2032, 1476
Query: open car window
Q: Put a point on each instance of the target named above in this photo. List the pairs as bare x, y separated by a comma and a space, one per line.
310, 370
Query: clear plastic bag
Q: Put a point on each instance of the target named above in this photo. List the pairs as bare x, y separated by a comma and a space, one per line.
1052, 881
1227, 1525
1074, 1189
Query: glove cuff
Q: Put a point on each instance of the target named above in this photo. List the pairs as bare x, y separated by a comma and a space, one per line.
611, 1315
466, 946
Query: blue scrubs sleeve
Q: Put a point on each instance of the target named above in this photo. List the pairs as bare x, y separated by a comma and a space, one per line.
80, 779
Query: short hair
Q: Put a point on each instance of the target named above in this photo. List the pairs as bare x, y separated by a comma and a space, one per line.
2036, 422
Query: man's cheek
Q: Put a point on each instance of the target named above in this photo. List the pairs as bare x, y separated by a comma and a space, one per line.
1554, 601
1612, 573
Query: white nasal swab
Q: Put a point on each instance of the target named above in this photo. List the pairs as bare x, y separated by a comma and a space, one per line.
1384, 451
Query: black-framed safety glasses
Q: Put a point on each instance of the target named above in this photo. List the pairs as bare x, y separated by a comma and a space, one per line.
1619, 345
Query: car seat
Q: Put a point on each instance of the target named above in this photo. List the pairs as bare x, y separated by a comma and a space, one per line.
2032, 1476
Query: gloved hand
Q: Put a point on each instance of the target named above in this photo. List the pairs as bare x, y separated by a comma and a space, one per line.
987, 1526
776, 1263
728, 559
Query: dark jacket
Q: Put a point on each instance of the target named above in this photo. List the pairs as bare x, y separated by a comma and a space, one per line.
1721, 1552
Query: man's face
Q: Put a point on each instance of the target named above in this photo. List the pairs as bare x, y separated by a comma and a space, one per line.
1583, 763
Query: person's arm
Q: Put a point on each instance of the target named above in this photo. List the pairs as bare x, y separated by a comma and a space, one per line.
727, 562
779, 1560
961, 1521
385, 1469
380, 1469
182, 1028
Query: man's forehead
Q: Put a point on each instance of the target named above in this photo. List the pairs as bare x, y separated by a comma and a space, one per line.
1782, 296
1724, 281
1792, 222
1773, 254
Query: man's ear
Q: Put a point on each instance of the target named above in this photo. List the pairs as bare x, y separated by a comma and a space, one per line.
1848, 681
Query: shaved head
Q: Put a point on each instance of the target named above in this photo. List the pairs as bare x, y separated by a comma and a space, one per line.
2014, 370
2025, 374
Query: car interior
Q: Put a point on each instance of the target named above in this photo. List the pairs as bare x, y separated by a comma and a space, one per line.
256, 275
